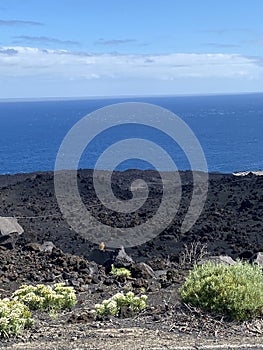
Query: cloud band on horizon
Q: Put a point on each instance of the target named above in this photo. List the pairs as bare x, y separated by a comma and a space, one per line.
28, 60
35, 72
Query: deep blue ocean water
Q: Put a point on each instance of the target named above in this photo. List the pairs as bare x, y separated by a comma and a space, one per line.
229, 129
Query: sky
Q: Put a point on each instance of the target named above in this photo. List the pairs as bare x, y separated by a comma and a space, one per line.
85, 48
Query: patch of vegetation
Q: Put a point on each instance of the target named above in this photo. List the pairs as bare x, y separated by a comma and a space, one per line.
46, 298
192, 253
120, 272
114, 305
233, 290
14, 317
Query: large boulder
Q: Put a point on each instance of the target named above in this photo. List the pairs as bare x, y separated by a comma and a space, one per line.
102, 257
10, 231
122, 259
221, 259
142, 270
259, 259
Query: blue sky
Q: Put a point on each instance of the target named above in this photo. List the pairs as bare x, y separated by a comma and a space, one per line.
76, 48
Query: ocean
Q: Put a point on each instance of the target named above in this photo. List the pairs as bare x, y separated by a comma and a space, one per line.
228, 127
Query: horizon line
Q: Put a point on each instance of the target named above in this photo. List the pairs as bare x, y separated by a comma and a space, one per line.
106, 97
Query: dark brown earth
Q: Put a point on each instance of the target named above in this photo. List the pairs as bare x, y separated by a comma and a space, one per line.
230, 224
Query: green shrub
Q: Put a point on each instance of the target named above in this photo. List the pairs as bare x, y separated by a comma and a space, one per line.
234, 290
114, 305
120, 272
46, 298
14, 317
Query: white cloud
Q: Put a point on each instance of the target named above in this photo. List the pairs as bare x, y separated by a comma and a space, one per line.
42, 40
19, 23
56, 64
27, 72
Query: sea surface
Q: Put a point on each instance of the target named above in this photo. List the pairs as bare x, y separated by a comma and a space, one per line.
228, 127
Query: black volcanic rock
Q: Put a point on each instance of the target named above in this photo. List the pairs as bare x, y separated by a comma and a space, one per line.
230, 223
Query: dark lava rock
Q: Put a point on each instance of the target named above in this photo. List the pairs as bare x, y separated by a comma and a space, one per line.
142, 270
27, 265
122, 259
230, 223
102, 257
259, 259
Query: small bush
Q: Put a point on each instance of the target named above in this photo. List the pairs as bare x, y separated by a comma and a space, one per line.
192, 253
235, 290
46, 298
114, 305
120, 272
14, 317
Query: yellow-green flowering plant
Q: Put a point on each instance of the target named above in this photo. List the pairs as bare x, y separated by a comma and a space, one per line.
120, 272
46, 298
113, 305
14, 317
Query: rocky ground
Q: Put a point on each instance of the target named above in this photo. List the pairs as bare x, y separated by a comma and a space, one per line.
230, 224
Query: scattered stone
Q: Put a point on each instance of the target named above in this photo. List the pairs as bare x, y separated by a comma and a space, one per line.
82, 317
142, 270
122, 259
9, 226
10, 231
259, 259
159, 273
218, 260
47, 247
33, 247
